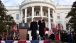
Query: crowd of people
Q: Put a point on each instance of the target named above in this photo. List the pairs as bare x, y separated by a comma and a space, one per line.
64, 36
13, 35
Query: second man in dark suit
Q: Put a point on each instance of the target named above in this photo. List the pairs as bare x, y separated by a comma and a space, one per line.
41, 24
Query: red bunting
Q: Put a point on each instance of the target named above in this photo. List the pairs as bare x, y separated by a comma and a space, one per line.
20, 41
45, 41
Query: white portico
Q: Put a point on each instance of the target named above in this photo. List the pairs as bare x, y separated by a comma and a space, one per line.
36, 9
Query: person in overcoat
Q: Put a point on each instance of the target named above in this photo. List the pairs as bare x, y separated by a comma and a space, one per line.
74, 37
41, 24
69, 38
63, 37
33, 28
52, 36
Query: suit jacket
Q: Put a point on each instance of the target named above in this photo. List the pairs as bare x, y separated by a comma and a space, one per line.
41, 27
33, 28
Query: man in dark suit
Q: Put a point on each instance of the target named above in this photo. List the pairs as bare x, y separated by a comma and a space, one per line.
63, 36
41, 24
33, 28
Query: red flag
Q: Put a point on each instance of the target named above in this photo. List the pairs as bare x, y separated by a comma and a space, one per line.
44, 30
58, 26
57, 36
55, 29
14, 27
50, 32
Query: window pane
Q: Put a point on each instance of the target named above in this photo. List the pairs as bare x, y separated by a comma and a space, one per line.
58, 14
10, 14
58, 17
17, 16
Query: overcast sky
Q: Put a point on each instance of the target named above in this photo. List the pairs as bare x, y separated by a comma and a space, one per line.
16, 2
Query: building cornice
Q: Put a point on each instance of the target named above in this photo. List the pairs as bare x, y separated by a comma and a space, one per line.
12, 8
63, 8
50, 3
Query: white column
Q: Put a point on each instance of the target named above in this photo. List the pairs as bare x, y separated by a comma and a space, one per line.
53, 14
32, 12
49, 21
41, 11
63, 21
21, 15
26, 15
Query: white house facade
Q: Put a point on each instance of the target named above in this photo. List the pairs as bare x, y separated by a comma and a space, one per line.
52, 13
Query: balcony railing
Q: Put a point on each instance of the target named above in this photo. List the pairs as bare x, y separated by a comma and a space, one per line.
46, 15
